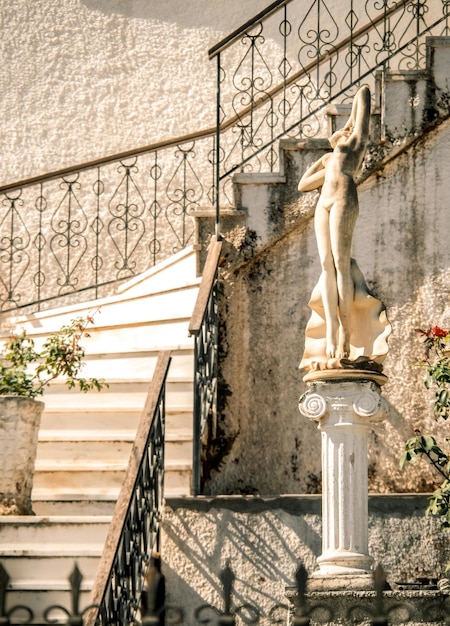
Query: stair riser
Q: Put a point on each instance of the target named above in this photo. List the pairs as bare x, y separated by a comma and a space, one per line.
40, 568
106, 480
140, 338
110, 419
132, 394
41, 600
53, 534
70, 507
137, 366
83, 451
177, 483
178, 451
104, 451
170, 276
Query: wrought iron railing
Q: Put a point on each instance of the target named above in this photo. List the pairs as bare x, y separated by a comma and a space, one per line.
377, 608
204, 327
80, 230
72, 234
135, 529
278, 72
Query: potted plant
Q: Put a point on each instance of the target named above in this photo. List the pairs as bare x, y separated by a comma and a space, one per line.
24, 375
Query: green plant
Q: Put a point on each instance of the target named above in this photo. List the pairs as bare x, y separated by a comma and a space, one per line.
26, 372
436, 360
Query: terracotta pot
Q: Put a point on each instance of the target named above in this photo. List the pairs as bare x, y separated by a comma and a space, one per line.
20, 419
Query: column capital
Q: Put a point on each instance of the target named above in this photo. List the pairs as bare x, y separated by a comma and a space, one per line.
342, 403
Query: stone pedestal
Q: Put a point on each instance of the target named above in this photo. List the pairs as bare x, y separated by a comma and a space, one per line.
345, 410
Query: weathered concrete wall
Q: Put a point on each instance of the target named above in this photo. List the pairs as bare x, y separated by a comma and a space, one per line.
401, 245
265, 540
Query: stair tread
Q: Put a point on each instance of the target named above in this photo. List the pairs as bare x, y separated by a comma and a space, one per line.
80, 466
47, 585
48, 520
144, 380
132, 408
100, 435
107, 465
66, 495
33, 550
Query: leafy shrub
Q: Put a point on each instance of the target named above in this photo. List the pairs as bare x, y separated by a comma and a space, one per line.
26, 372
436, 360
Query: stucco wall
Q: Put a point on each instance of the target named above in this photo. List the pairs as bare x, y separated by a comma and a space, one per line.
264, 540
401, 245
81, 79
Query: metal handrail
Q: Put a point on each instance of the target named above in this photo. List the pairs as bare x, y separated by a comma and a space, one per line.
224, 125
210, 131
259, 17
142, 490
305, 70
119, 156
273, 8
259, 96
204, 327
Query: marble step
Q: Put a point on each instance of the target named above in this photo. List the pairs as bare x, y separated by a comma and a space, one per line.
172, 272
137, 363
101, 476
29, 567
104, 446
114, 419
29, 532
150, 309
50, 502
120, 393
98, 499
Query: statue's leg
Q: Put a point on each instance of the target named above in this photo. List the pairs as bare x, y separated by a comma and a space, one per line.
328, 278
342, 223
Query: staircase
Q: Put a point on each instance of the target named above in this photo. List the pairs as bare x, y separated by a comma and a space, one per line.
85, 439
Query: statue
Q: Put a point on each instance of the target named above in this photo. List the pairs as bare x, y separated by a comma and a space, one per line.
348, 327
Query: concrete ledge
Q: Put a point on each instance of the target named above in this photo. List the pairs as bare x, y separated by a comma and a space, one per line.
349, 607
407, 503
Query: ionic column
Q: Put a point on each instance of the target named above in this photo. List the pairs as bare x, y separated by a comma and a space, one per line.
345, 412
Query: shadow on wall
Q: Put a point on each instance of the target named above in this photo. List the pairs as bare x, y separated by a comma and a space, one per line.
200, 14
262, 543
265, 539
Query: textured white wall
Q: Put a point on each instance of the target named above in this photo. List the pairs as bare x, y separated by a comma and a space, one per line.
265, 539
81, 79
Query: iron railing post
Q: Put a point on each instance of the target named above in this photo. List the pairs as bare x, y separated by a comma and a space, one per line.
204, 328
217, 151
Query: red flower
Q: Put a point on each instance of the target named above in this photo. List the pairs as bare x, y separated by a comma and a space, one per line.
439, 332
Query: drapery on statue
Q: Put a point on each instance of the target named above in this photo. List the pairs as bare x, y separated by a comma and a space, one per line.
348, 327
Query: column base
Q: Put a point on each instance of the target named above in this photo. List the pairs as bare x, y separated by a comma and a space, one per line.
322, 582
341, 570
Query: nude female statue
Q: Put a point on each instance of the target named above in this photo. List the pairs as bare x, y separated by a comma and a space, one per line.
334, 221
